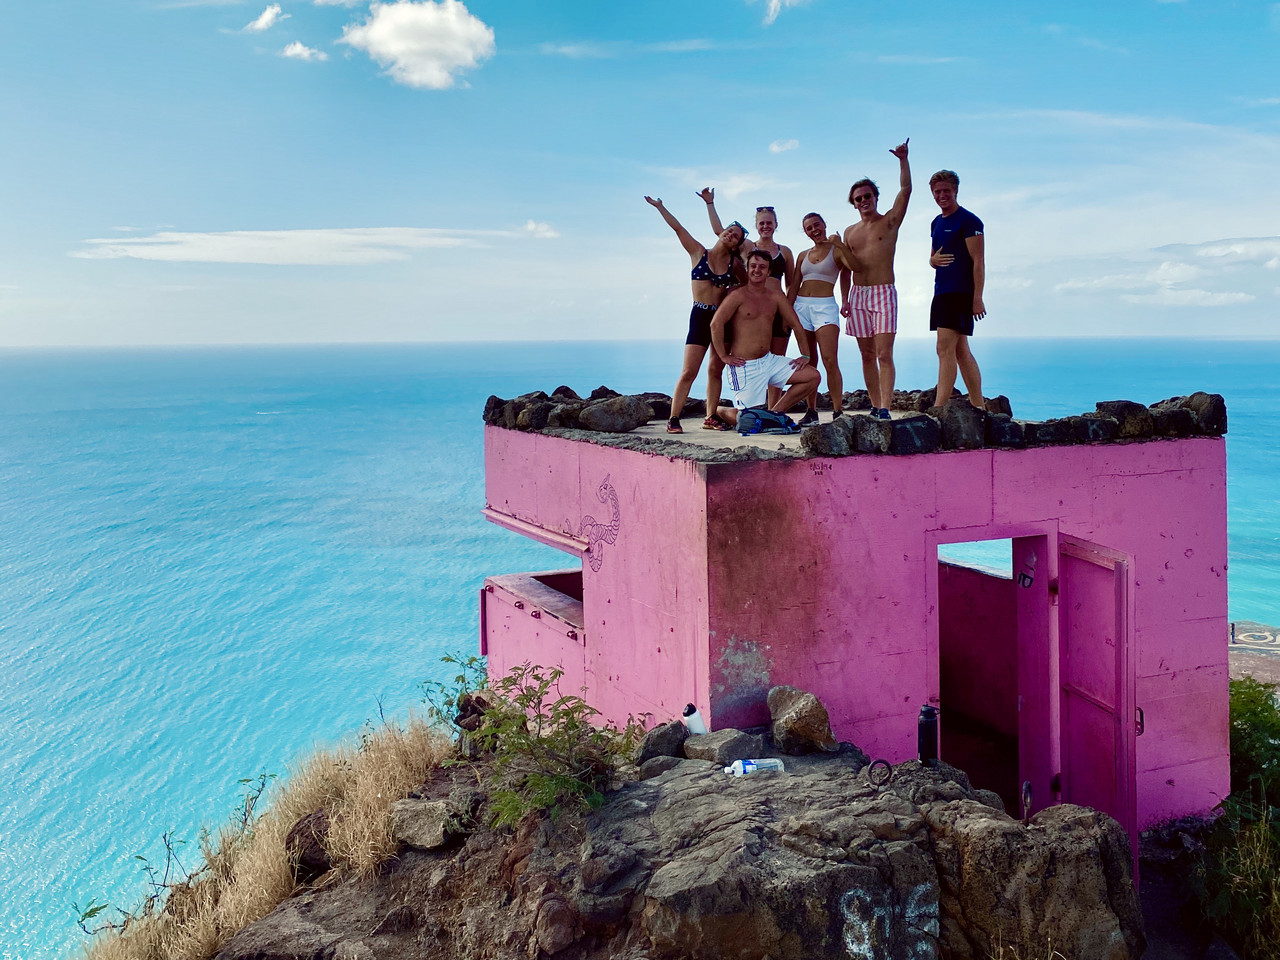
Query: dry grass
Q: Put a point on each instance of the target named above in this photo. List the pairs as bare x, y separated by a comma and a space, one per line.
246, 871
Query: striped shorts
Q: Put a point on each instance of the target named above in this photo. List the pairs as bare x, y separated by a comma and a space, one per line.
872, 310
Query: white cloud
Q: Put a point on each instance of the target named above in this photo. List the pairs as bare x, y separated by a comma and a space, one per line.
540, 229
345, 246
732, 187
422, 44
695, 45
582, 51
300, 51
337, 3
782, 146
1170, 297
775, 7
267, 19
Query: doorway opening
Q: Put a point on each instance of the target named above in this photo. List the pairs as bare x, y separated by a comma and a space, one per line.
978, 664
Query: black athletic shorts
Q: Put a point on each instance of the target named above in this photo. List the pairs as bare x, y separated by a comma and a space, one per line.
954, 311
700, 325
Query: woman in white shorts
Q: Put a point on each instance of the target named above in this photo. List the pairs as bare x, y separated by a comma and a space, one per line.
814, 284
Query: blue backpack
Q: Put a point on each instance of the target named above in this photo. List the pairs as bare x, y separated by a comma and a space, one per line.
762, 420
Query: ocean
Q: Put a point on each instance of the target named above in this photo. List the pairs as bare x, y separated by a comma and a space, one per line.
214, 560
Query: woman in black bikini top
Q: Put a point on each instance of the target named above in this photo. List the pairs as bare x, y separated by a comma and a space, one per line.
714, 272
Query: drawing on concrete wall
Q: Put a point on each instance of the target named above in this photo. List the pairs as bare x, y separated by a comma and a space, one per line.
596, 533
876, 927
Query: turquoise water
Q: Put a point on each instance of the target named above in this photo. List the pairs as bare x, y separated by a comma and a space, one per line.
213, 560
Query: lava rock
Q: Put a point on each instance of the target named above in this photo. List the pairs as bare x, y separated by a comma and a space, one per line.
964, 426
564, 393
915, 433
856, 400
556, 926
308, 858
423, 824
1211, 410
534, 415
998, 404
664, 740
616, 415
660, 403
1004, 431
834, 439
1092, 427
657, 766
603, 393
493, 409
723, 746
1174, 422
869, 434
1133, 419
565, 415
800, 722
1050, 432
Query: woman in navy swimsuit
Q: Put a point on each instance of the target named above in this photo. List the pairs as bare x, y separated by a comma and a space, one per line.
714, 272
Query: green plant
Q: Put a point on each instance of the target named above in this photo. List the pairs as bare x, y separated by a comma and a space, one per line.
549, 747
1238, 879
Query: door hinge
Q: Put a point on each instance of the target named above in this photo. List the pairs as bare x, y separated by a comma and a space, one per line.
1140, 721
1056, 783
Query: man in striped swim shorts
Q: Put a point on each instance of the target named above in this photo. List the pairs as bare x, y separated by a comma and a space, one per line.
871, 303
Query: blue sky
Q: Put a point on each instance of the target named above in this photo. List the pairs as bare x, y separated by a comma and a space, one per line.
192, 171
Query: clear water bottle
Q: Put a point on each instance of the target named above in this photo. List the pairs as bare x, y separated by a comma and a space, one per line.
741, 768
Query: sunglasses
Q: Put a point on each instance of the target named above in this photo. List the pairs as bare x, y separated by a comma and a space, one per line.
863, 196
762, 209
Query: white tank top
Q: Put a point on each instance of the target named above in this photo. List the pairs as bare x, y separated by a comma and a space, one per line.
825, 269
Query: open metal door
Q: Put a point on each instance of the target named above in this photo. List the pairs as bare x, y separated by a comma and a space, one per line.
1096, 682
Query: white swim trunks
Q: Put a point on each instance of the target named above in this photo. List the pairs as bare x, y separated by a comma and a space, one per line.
815, 312
750, 382
873, 310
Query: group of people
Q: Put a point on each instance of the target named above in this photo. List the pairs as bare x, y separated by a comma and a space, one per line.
750, 296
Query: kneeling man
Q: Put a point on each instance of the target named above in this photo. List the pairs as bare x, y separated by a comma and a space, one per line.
751, 369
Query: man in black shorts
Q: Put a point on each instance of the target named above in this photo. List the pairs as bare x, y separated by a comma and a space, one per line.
956, 253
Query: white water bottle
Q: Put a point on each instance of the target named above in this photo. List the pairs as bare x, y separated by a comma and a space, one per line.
741, 768
693, 720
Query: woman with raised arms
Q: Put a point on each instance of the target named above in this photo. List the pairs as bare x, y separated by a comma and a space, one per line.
814, 299
715, 271
781, 261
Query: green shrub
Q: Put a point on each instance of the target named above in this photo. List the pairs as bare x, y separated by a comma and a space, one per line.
549, 748
1238, 882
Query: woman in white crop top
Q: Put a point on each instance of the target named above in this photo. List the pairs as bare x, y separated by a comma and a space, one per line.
813, 294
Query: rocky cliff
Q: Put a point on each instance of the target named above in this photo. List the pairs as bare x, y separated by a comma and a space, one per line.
683, 860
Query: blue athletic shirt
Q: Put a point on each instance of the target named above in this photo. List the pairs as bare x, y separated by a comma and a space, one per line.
949, 235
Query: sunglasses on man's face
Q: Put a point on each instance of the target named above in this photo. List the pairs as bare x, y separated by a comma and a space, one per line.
863, 197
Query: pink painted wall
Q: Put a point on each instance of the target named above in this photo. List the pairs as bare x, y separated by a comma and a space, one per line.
724, 579
645, 609
978, 647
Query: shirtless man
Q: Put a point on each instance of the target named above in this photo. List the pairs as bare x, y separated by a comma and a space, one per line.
871, 307
751, 368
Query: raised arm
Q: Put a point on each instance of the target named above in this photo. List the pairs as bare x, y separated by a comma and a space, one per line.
691, 246
899, 209
724, 313
708, 196
978, 252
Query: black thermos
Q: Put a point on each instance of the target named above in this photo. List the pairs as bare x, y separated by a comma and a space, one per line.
927, 734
